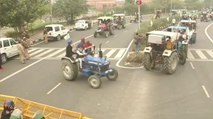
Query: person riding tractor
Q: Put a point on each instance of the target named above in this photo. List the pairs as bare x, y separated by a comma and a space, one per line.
119, 20
105, 27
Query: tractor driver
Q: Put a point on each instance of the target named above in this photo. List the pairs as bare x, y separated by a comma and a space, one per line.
169, 44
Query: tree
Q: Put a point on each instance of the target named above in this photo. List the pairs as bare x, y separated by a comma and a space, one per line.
70, 9
18, 13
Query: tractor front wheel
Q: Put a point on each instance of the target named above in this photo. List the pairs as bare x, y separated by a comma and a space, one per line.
94, 81
170, 63
113, 74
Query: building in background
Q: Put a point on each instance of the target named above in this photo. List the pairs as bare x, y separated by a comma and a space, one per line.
105, 4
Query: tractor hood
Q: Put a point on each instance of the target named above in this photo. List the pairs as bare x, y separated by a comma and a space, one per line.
96, 60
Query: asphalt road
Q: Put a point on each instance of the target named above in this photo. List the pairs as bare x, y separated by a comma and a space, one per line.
137, 94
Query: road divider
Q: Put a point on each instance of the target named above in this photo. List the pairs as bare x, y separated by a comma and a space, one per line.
211, 40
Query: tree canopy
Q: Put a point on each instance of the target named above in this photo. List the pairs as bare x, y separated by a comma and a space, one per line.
15, 13
69, 8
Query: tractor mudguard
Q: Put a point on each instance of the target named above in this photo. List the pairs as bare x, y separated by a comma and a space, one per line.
167, 53
67, 58
147, 49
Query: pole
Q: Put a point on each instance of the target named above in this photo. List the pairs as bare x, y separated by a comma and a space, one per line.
139, 17
51, 12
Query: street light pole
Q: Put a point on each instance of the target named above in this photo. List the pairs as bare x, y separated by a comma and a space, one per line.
51, 12
139, 17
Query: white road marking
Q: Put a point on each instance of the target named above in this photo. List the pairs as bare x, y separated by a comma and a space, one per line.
53, 88
110, 52
38, 51
206, 92
119, 61
52, 54
106, 42
207, 33
192, 65
13, 74
210, 52
120, 53
46, 52
31, 50
190, 56
201, 55
88, 36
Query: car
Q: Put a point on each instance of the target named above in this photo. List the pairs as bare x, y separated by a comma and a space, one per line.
82, 24
56, 31
8, 49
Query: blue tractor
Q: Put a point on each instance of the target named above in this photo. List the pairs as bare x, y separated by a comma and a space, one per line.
93, 67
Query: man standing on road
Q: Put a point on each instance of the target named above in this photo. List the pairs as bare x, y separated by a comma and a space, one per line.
138, 41
45, 35
0, 58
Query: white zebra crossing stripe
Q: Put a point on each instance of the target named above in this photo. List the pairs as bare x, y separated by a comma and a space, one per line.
190, 56
46, 52
201, 55
36, 52
120, 53
210, 52
57, 53
110, 52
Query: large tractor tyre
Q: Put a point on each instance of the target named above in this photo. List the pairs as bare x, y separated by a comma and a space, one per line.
182, 58
194, 38
94, 81
106, 34
170, 63
70, 70
148, 63
113, 75
3, 58
95, 34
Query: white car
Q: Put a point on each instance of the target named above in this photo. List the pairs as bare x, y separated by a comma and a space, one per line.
8, 49
82, 24
56, 31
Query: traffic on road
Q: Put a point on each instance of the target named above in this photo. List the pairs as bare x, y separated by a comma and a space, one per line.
81, 70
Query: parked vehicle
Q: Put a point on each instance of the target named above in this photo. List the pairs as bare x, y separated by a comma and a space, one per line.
105, 27
9, 48
82, 25
56, 31
157, 53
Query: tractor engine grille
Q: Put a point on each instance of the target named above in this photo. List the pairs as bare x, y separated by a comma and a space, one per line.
104, 68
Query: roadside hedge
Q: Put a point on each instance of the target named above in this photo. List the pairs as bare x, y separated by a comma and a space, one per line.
157, 24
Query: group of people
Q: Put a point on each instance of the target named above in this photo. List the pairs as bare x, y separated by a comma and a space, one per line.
10, 111
83, 48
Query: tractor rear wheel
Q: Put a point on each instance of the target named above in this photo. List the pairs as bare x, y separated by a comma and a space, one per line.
70, 70
94, 81
113, 74
170, 63
148, 63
